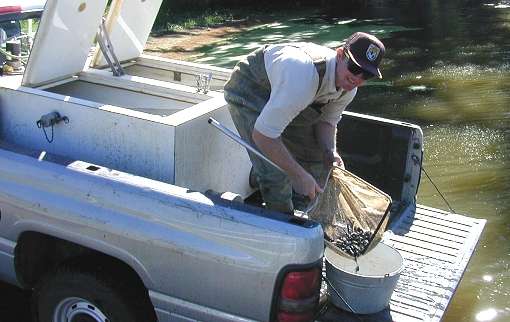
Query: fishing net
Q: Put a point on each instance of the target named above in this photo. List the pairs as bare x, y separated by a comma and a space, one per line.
353, 213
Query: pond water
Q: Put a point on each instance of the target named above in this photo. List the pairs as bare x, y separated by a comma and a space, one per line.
447, 68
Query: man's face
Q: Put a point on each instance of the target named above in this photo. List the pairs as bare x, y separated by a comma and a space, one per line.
344, 78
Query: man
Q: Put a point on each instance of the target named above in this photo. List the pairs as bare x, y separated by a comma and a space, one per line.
286, 100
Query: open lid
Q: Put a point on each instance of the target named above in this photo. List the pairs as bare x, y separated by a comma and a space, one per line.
128, 25
65, 35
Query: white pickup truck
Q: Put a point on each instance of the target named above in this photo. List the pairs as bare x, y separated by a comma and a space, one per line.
106, 209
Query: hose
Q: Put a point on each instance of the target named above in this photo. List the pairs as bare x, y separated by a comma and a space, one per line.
8, 54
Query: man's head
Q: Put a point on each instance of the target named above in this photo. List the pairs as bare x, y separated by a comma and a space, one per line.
358, 60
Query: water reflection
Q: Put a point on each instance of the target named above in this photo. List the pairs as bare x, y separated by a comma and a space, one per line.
447, 69
486, 315
487, 278
462, 95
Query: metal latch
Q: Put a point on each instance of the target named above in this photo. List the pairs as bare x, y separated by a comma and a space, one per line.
49, 120
203, 82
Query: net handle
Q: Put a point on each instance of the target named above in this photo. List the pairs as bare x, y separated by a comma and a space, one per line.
377, 229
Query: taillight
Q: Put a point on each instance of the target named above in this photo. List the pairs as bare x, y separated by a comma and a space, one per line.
300, 285
299, 295
295, 317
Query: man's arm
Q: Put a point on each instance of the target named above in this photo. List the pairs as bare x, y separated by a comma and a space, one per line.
302, 182
325, 134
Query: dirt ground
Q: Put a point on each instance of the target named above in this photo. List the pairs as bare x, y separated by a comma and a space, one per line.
183, 45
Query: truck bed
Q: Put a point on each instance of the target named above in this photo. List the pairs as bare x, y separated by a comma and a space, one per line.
436, 247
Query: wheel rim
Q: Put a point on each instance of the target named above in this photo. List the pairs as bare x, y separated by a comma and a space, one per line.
74, 309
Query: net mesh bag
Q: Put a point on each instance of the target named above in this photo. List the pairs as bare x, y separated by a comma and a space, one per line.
353, 213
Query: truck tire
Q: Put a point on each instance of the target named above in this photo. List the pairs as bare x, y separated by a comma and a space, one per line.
73, 295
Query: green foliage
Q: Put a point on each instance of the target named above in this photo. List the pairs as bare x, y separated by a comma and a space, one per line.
24, 25
192, 19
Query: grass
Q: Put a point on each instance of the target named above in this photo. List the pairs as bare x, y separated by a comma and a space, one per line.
169, 21
176, 22
193, 19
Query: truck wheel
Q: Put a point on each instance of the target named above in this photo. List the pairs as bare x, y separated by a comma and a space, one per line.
71, 295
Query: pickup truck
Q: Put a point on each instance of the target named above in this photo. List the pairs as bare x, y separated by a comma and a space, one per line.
113, 203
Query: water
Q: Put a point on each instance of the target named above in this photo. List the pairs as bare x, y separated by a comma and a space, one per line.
447, 69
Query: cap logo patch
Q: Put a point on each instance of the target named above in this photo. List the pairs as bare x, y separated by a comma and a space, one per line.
372, 52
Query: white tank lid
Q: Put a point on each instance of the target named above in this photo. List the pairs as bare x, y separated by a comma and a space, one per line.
63, 41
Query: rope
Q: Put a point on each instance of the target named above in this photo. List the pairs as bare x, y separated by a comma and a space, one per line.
437, 189
341, 297
416, 160
22, 58
46, 135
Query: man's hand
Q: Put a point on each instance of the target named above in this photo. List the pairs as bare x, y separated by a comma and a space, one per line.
305, 184
331, 158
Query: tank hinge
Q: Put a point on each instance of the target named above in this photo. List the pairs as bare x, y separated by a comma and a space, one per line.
107, 49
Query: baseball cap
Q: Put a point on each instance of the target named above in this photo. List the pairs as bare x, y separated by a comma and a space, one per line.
366, 51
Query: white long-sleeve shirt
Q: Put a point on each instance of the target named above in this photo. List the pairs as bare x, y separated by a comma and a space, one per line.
294, 81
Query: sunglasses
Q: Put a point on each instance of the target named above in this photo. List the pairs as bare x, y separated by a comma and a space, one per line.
356, 70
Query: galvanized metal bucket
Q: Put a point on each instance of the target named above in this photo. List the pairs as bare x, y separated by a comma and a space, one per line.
365, 286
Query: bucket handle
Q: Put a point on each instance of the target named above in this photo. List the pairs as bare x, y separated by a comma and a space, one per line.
340, 296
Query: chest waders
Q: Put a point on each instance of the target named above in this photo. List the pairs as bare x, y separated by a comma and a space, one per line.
247, 92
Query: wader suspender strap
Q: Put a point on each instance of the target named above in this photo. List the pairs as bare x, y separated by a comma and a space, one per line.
319, 62
320, 66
